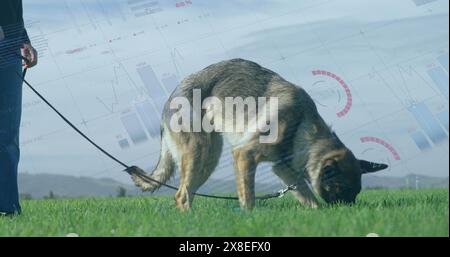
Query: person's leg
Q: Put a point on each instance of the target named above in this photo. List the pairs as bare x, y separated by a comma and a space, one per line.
10, 113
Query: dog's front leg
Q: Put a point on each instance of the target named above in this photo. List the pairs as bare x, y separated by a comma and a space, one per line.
302, 192
245, 169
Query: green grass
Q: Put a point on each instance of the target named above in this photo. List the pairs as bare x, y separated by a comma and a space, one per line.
387, 213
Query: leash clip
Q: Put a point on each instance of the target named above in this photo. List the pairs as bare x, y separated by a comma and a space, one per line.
282, 192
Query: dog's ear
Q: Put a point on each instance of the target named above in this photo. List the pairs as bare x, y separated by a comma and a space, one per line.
369, 167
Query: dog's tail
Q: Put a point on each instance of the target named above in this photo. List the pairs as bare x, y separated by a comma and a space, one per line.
162, 173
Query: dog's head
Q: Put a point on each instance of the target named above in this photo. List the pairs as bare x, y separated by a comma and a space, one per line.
340, 175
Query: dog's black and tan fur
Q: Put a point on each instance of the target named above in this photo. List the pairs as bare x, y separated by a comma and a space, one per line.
306, 148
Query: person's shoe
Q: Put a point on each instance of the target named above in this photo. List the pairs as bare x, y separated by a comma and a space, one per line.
9, 214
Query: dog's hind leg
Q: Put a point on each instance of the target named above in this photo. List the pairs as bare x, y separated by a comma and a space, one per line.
199, 158
245, 169
302, 191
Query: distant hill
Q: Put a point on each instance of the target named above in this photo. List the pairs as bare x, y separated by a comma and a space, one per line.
40, 185
408, 181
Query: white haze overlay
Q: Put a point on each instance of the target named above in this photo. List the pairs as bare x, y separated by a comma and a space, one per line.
378, 71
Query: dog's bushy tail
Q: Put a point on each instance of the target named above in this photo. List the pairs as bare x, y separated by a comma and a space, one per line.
162, 173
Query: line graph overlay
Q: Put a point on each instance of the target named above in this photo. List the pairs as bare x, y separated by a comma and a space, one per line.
121, 59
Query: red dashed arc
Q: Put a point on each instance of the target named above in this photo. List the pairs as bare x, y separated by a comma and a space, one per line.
183, 3
383, 143
349, 103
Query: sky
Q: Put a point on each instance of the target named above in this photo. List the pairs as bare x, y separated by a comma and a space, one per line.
104, 61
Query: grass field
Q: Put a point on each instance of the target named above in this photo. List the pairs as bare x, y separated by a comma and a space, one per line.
387, 213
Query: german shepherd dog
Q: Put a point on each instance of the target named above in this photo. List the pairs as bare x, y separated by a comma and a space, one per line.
306, 148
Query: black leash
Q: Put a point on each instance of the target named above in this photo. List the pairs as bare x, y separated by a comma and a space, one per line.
129, 169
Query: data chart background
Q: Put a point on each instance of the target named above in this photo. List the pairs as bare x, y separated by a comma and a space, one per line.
378, 71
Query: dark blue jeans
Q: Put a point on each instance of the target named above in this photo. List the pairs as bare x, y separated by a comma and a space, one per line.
10, 113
